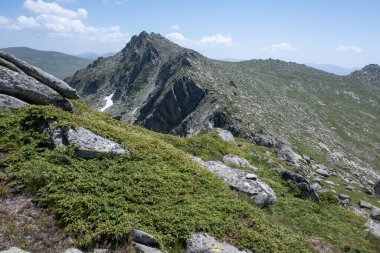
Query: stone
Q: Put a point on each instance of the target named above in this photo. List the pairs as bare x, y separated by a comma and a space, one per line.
350, 188
365, 204
238, 161
139, 248
343, 196
225, 135
367, 191
87, 144
375, 214
316, 186
10, 102
376, 187
287, 154
54, 83
261, 193
101, 250
30, 90
301, 182
374, 227
343, 199
359, 211
14, 250
204, 243
265, 140
330, 182
306, 158
73, 250
323, 172
251, 176
141, 237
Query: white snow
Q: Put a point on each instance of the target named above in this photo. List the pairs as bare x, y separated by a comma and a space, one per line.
109, 102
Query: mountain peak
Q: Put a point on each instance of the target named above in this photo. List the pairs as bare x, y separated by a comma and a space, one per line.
371, 68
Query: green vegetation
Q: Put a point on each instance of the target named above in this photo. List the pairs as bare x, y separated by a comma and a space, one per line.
159, 189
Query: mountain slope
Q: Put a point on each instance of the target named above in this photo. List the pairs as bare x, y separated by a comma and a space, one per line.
166, 88
57, 64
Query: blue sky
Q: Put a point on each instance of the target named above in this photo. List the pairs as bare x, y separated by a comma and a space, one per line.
340, 32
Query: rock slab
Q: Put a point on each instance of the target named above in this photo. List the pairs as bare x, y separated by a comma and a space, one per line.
238, 161
10, 102
225, 135
204, 243
261, 193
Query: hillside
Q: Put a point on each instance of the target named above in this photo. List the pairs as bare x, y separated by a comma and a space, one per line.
166, 88
55, 63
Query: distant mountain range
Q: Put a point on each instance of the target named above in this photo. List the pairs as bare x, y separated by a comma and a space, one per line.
57, 64
94, 56
338, 70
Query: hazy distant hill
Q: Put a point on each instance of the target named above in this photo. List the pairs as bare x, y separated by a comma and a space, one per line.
58, 64
94, 56
338, 70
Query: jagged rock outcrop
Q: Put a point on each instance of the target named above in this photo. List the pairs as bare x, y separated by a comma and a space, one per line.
86, 143
20, 81
301, 182
261, 193
204, 243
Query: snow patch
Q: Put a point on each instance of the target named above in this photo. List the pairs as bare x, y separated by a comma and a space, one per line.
109, 102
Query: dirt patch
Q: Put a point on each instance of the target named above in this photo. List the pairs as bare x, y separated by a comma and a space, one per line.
24, 225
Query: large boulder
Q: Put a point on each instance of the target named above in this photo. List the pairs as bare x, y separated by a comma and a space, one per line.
204, 243
28, 89
374, 227
238, 161
11, 102
56, 84
225, 135
301, 182
144, 238
288, 155
86, 143
140, 248
14, 250
261, 193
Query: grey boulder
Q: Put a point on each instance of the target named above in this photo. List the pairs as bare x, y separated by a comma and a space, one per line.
301, 182
30, 90
238, 161
377, 188
344, 199
287, 154
225, 135
374, 227
261, 193
73, 250
365, 204
86, 143
375, 214
10, 102
54, 83
323, 172
144, 238
204, 243
140, 248
14, 250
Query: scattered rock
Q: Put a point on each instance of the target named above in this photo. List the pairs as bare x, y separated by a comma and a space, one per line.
375, 214
101, 250
10, 102
261, 193
374, 227
306, 158
323, 172
14, 249
73, 250
377, 188
204, 243
238, 161
316, 186
139, 248
358, 211
367, 191
225, 134
141, 237
350, 188
86, 143
287, 154
344, 199
365, 204
265, 140
301, 182
330, 182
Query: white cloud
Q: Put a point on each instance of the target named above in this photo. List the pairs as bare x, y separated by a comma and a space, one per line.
57, 21
176, 37
278, 47
175, 27
353, 49
217, 39
41, 7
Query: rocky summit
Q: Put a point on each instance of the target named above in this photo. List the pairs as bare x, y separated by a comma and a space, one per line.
300, 110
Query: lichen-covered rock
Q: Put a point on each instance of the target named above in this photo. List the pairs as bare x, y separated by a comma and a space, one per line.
374, 227
54, 83
238, 161
301, 182
14, 250
10, 102
87, 144
140, 248
30, 90
261, 193
204, 243
225, 134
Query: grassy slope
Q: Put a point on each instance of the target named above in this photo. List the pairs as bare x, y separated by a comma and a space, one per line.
55, 63
160, 190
